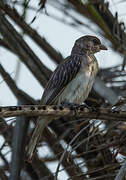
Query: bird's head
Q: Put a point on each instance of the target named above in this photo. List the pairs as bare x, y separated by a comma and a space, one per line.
90, 44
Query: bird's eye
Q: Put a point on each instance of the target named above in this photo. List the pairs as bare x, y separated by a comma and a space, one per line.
96, 41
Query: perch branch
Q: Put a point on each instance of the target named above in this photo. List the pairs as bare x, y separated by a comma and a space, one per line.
60, 111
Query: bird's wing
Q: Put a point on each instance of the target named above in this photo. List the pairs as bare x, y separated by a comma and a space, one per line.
63, 74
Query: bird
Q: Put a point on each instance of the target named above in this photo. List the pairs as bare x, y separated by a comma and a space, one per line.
71, 82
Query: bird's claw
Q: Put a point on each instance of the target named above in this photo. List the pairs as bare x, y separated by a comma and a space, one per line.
75, 106
91, 109
72, 106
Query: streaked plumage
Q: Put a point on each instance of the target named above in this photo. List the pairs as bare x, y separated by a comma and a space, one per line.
62, 76
70, 82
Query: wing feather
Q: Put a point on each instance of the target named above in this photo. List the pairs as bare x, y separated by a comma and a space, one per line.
63, 74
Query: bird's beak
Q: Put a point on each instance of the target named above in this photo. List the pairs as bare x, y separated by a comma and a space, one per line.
103, 47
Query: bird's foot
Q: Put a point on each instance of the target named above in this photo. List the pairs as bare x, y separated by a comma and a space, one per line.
75, 106
72, 106
90, 108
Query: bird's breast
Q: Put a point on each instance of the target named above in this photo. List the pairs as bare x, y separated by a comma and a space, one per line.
78, 89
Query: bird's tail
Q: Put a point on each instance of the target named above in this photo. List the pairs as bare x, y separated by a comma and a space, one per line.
41, 124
